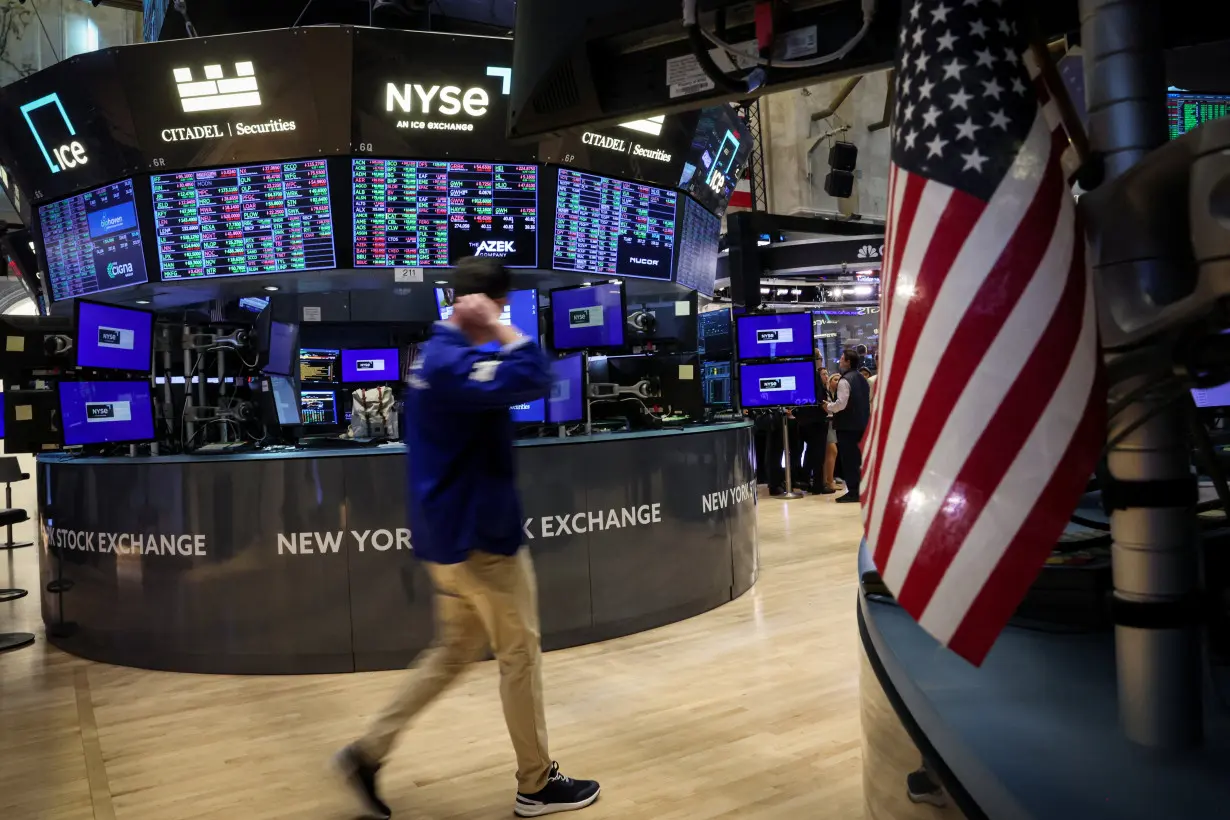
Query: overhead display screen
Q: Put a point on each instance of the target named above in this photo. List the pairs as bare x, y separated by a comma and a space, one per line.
431, 214
698, 248
613, 227
244, 221
651, 149
717, 157
92, 242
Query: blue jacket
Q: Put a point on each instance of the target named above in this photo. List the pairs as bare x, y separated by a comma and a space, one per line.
462, 476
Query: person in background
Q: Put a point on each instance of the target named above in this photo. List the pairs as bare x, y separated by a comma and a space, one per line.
870, 377
863, 356
465, 520
813, 430
830, 440
850, 411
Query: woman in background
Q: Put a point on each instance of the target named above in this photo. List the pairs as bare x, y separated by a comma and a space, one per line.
830, 448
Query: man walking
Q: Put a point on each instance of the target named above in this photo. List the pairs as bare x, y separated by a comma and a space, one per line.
465, 522
850, 412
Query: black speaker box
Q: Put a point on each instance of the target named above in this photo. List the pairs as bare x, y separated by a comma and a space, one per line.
839, 184
843, 156
743, 261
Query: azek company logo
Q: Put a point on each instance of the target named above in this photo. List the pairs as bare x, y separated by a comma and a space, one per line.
495, 247
217, 92
69, 153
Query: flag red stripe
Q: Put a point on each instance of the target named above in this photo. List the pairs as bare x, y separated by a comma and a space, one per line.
992, 305
888, 275
1001, 442
1019, 566
960, 216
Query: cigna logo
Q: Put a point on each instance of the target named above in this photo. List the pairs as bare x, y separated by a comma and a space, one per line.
55, 139
115, 269
215, 91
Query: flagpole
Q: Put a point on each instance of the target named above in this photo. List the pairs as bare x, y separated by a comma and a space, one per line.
1155, 557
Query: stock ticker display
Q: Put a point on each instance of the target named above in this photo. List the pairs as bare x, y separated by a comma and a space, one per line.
430, 214
1186, 111
244, 221
698, 248
613, 227
93, 242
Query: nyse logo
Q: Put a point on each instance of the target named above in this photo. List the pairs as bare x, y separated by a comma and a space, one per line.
585, 317
373, 365
777, 384
870, 252
561, 390
495, 247
775, 336
451, 99
117, 269
61, 152
120, 338
100, 411
217, 92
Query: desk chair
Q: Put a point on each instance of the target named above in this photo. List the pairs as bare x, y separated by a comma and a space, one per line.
10, 471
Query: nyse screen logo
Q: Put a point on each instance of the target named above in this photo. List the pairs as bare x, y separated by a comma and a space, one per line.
373, 365
108, 411
494, 247
120, 338
585, 317
777, 384
54, 133
561, 390
451, 101
775, 336
215, 91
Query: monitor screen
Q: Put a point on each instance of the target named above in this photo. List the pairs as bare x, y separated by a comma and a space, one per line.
432, 213
93, 242
255, 304
713, 337
318, 406
106, 412
530, 413
114, 338
244, 221
698, 248
1218, 396
777, 384
285, 400
318, 366
717, 157
521, 311
587, 317
613, 227
370, 365
715, 384
283, 345
774, 336
567, 401
1187, 111
1, 415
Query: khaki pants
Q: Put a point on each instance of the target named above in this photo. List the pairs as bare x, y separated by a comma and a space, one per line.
485, 599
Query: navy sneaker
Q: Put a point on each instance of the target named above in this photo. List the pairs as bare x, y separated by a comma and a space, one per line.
360, 776
560, 794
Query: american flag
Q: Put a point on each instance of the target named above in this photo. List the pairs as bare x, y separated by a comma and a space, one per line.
990, 404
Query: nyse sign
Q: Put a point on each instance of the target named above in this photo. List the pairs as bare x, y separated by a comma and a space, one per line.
445, 106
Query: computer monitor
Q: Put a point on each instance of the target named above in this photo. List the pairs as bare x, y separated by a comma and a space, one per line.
1, 416
285, 401
283, 349
714, 340
114, 338
370, 365
32, 421
566, 404
587, 317
319, 365
775, 336
521, 311
715, 384
318, 407
777, 384
533, 412
110, 412
1210, 397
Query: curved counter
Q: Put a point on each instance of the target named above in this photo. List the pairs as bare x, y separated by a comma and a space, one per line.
1033, 734
300, 562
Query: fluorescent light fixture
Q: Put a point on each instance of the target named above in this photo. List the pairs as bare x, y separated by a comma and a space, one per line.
143, 301
760, 243
863, 290
271, 288
796, 291
764, 290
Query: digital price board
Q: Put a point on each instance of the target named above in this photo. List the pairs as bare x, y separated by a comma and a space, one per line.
1187, 111
430, 213
93, 242
613, 227
698, 248
244, 221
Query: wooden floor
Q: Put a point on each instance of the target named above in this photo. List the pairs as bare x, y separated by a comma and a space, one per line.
749, 711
